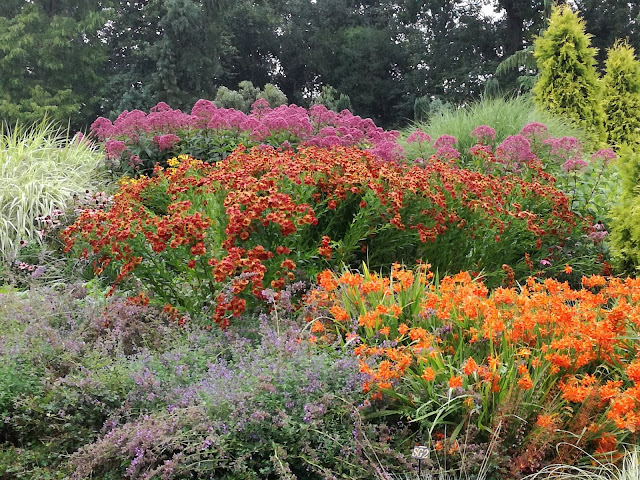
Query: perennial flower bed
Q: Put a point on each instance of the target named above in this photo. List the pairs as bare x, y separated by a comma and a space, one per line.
543, 365
202, 236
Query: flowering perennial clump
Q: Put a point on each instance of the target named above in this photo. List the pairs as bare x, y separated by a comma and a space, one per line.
212, 237
139, 140
453, 353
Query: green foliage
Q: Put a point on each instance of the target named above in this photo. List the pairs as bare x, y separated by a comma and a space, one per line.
165, 51
424, 108
568, 84
42, 169
621, 97
332, 99
625, 216
247, 94
51, 59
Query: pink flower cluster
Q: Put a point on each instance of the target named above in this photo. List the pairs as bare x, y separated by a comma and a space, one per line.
566, 151
484, 134
166, 142
317, 126
514, 152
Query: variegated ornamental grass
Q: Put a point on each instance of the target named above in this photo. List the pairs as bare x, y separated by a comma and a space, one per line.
41, 168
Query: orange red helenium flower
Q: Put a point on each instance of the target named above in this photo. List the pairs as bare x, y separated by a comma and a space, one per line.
235, 221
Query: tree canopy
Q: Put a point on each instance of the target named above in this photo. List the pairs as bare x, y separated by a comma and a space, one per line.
79, 59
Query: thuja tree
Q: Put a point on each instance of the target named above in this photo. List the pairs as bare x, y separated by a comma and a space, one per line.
625, 217
568, 84
621, 96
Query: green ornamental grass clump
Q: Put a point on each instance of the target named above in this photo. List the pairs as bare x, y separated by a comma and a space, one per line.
569, 83
621, 97
41, 169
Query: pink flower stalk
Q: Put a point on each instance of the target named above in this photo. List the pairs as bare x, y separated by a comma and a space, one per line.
419, 136
447, 152
514, 152
535, 131
166, 142
564, 148
605, 155
574, 164
445, 141
484, 134
114, 148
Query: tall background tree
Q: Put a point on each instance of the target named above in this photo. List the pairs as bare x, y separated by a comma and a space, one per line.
163, 51
51, 59
77, 59
569, 85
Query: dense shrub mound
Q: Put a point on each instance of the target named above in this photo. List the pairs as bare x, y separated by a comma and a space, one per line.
512, 371
214, 236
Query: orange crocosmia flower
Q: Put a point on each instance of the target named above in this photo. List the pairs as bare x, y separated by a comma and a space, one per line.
327, 281
522, 369
546, 421
470, 366
606, 443
525, 383
368, 320
417, 332
339, 313
403, 329
568, 269
493, 362
351, 279
633, 371
385, 331
429, 374
317, 327
455, 382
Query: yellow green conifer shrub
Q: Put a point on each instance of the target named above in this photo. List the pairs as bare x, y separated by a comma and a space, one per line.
568, 84
625, 216
621, 95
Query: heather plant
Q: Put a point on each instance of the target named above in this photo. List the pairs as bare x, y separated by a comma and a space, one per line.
537, 375
42, 169
135, 142
209, 239
507, 116
621, 95
568, 84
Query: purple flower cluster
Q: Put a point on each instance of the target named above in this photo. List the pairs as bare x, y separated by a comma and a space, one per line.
514, 152
166, 142
484, 134
566, 151
317, 126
